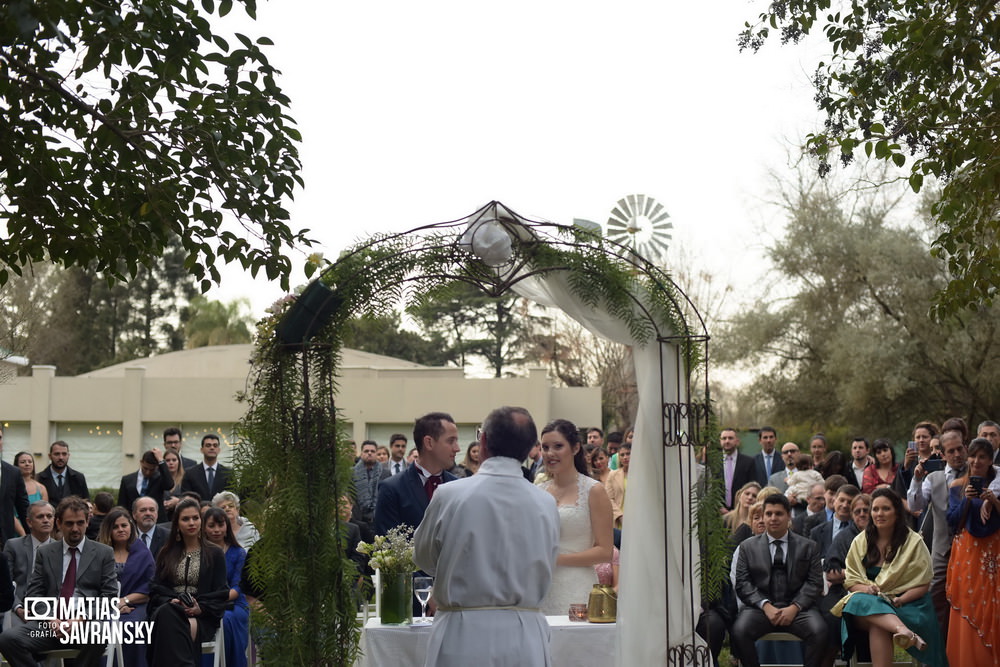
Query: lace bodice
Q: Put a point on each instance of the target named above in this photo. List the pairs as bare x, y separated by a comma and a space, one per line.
571, 585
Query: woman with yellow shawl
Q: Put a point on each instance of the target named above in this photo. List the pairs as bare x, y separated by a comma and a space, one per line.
888, 574
973, 586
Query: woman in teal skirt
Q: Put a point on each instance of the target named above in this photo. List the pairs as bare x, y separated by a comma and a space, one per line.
888, 574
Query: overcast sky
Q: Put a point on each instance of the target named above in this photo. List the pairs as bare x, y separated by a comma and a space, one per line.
413, 113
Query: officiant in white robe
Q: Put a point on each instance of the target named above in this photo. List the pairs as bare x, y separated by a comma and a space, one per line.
491, 542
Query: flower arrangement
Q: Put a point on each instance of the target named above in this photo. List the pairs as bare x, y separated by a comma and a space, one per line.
391, 553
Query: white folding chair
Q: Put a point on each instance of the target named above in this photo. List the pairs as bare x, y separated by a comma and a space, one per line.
217, 647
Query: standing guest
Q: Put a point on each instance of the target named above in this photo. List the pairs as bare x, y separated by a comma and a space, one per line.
883, 472
929, 493
617, 484
613, 439
957, 424
382, 456
924, 433
71, 567
236, 620
172, 443
491, 540
779, 579
991, 431
818, 448
737, 469
974, 513
413, 455
860, 459
25, 463
366, 477
767, 462
403, 498
150, 535
134, 567
208, 477
789, 456
537, 462
59, 479
176, 470
471, 463
188, 594
599, 469
585, 515
595, 437
245, 532
888, 572
21, 551
835, 464
153, 479
13, 499
397, 454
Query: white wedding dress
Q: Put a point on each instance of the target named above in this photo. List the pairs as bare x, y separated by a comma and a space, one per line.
572, 585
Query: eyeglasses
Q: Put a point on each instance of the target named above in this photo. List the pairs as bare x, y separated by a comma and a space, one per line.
861, 510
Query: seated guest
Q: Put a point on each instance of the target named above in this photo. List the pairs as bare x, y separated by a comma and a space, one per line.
188, 593
245, 532
824, 534
779, 579
134, 567
236, 621
815, 511
103, 502
888, 574
71, 567
20, 551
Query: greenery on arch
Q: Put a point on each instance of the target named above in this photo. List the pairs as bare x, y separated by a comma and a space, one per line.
294, 452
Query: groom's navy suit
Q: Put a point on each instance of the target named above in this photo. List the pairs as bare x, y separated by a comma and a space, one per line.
402, 500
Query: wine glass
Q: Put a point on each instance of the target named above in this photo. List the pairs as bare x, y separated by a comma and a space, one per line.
422, 588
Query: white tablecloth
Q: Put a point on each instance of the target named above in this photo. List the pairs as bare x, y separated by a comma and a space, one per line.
573, 644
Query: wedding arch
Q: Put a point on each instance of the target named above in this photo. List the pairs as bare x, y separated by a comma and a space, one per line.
296, 459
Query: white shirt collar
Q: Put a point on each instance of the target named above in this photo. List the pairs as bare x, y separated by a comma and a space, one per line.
79, 547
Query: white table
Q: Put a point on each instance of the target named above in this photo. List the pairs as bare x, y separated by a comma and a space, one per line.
572, 645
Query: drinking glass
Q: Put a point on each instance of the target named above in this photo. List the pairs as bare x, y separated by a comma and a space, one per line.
422, 588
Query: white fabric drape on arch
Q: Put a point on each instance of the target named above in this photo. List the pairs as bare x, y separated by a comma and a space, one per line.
642, 601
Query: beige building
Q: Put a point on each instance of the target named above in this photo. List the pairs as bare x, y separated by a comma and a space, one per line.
110, 416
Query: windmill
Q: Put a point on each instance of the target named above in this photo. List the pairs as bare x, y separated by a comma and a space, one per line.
641, 223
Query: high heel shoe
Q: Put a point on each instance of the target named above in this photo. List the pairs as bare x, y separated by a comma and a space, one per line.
904, 639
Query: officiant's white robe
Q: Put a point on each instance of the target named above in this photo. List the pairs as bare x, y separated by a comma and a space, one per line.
491, 541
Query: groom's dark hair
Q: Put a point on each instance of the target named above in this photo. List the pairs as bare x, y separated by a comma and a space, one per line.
510, 432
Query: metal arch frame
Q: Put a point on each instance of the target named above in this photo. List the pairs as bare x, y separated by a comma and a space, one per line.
683, 424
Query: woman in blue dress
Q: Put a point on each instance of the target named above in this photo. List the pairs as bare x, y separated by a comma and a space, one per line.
888, 575
236, 621
134, 567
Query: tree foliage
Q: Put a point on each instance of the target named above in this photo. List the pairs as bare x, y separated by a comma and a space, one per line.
125, 124
914, 82
851, 343
209, 322
384, 334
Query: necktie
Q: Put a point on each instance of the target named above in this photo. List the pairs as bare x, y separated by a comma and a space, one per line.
69, 581
59, 480
396, 471
210, 476
767, 464
145, 486
729, 481
145, 539
779, 576
432, 483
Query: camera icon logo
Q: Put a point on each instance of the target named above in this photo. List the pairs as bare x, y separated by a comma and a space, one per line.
40, 609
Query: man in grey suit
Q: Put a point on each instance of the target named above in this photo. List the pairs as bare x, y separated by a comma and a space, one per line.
72, 567
779, 579
21, 550
779, 479
929, 492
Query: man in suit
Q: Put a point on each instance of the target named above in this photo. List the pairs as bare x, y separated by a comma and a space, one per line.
59, 479
208, 477
20, 551
929, 492
71, 567
535, 459
767, 462
366, 476
779, 579
824, 533
779, 479
154, 536
403, 498
172, 443
991, 431
153, 479
737, 469
13, 496
860, 460
815, 513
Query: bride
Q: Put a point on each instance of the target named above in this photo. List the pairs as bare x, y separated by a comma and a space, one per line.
585, 524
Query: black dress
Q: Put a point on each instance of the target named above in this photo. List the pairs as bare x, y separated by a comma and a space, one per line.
204, 577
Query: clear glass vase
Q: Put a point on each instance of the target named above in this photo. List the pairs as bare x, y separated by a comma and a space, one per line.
397, 599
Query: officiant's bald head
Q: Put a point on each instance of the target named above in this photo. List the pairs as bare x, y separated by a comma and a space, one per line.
508, 431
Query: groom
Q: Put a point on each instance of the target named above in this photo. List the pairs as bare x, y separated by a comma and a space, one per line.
491, 540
